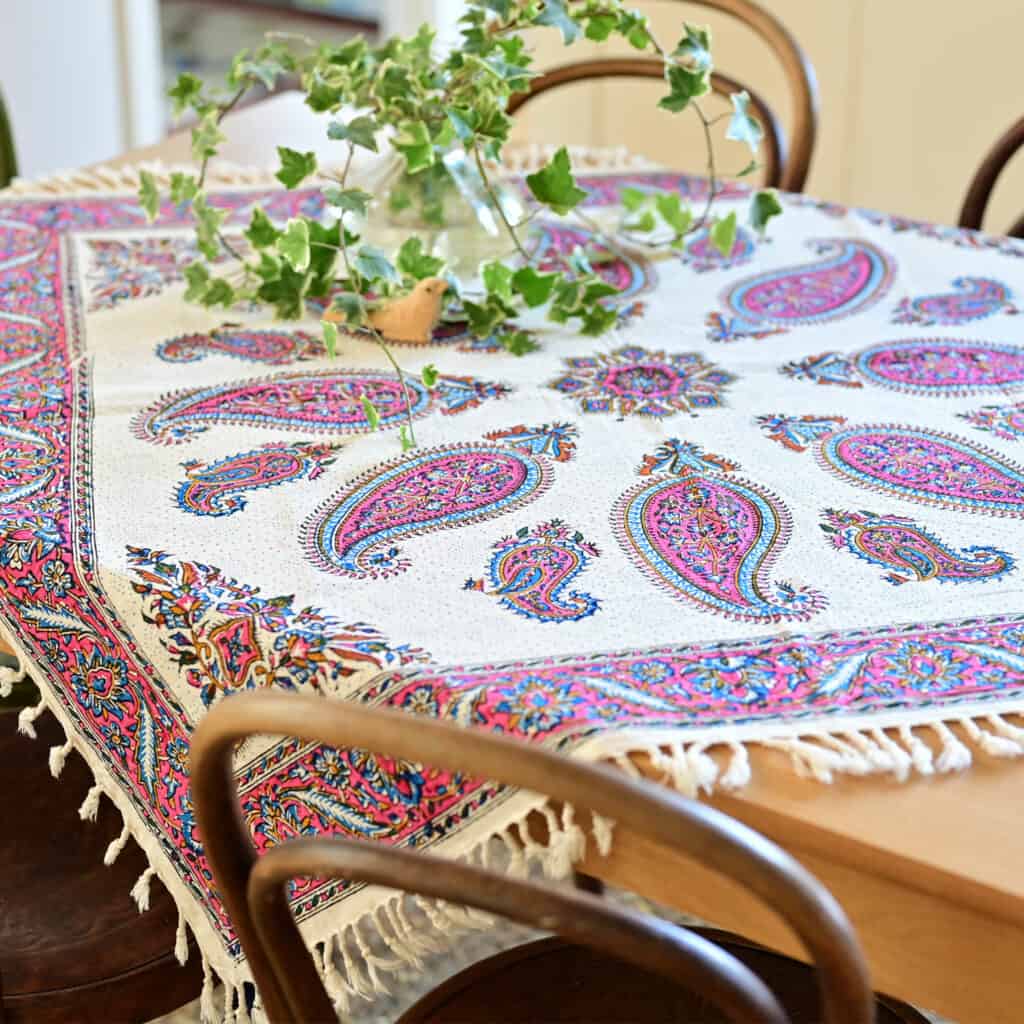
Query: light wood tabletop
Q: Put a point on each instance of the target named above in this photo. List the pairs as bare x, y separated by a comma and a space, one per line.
931, 871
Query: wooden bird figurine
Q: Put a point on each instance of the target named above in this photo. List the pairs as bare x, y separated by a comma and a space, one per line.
411, 318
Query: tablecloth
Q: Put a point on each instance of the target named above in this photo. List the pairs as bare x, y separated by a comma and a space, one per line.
780, 503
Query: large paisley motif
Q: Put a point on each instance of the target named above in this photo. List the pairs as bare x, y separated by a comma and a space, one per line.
278, 348
848, 276
972, 298
530, 573
28, 463
908, 552
216, 489
325, 401
708, 537
943, 367
355, 533
925, 466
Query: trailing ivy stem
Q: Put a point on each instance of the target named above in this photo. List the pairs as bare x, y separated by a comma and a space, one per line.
496, 202
222, 112
377, 336
712, 173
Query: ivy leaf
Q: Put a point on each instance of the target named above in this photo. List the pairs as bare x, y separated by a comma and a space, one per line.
749, 169
295, 166
197, 277
405, 438
684, 85
374, 264
184, 188
518, 343
293, 244
484, 320
350, 200
219, 293
206, 137
723, 233
460, 121
330, 337
261, 232
360, 131
763, 207
149, 195
597, 320
695, 48
370, 412
185, 91
413, 142
555, 15
673, 213
497, 280
412, 260
285, 290
643, 223
429, 375
601, 26
534, 287
554, 185
743, 126
352, 305
633, 199
208, 222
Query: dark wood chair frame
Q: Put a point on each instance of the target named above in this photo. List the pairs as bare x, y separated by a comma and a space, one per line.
785, 167
254, 891
979, 192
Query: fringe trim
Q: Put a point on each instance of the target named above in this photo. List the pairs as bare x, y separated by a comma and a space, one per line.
9, 678
126, 177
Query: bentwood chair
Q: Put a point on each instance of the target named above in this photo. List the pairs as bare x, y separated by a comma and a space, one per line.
785, 165
972, 214
8, 162
616, 965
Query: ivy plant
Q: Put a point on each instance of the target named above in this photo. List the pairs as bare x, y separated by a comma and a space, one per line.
405, 97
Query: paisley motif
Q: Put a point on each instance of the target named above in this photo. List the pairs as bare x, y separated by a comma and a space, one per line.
320, 401
632, 381
702, 256
355, 532
973, 298
28, 464
1005, 421
708, 537
943, 367
276, 348
848, 276
910, 553
215, 489
530, 572
919, 465
20, 347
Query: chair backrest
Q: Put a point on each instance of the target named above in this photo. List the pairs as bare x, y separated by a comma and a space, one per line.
8, 161
282, 966
786, 165
972, 213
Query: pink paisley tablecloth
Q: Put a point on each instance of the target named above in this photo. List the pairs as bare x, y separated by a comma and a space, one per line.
780, 503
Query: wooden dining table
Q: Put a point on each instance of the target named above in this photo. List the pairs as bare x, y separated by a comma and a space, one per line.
929, 870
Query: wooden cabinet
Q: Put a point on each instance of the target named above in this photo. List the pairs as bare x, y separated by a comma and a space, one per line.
913, 92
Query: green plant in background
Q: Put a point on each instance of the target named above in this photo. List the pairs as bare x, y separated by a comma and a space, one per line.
403, 97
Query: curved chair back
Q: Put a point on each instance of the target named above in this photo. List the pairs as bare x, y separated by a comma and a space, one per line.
786, 165
972, 213
8, 161
282, 966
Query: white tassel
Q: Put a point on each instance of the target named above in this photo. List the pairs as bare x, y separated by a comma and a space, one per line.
532, 850
241, 1009
994, 746
181, 941
9, 677
737, 775
954, 756
900, 761
370, 960
27, 716
207, 1006
703, 767
140, 890
920, 752
625, 763
853, 761
354, 974
337, 988
516, 867
91, 804
602, 828
809, 759
58, 757
116, 846
1005, 728
878, 759
677, 771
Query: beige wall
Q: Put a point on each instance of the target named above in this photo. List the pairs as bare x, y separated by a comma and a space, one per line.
913, 92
